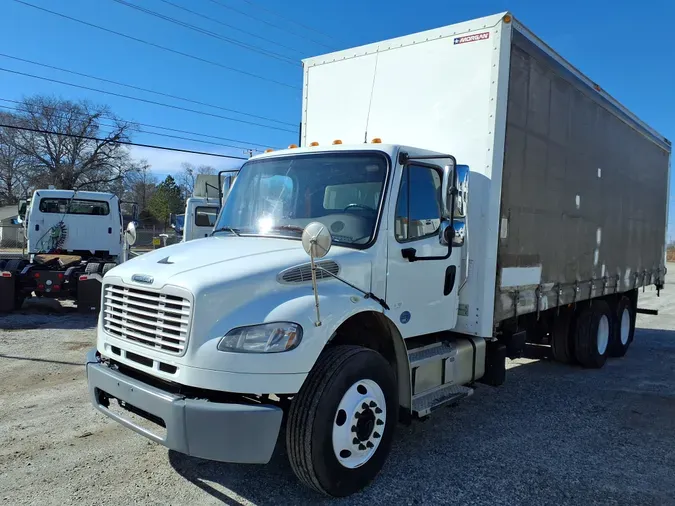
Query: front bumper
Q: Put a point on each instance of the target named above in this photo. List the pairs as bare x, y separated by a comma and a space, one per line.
225, 432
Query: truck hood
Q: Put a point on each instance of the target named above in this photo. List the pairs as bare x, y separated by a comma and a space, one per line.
203, 263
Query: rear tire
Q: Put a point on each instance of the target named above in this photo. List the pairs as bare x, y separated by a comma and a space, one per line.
594, 326
342, 397
624, 330
562, 339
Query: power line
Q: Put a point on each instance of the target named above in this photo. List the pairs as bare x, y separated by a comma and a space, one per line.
146, 90
198, 29
287, 18
138, 99
159, 46
146, 132
246, 143
232, 27
261, 20
124, 143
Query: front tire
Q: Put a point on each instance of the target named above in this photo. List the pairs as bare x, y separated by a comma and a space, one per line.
350, 390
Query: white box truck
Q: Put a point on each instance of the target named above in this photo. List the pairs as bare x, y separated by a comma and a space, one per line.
460, 192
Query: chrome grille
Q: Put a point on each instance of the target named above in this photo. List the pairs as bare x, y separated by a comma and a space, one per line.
154, 320
303, 273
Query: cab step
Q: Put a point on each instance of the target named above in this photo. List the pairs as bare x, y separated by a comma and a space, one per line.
437, 351
423, 404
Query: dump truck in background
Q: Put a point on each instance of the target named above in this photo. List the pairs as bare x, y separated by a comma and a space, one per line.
74, 238
460, 192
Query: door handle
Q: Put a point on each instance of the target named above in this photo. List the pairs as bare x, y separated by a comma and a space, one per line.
450, 275
409, 254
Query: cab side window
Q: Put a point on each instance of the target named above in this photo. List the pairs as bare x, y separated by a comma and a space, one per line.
206, 216
418, 209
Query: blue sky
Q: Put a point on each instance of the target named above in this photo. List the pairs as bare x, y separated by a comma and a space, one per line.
626, 47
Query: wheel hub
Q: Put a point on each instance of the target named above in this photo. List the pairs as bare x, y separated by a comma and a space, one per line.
359, 423
365, 424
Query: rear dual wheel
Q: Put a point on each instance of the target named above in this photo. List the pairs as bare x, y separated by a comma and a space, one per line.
593, 333
594, 328
624, 329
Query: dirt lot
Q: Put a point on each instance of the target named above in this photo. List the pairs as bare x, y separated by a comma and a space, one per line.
551, 435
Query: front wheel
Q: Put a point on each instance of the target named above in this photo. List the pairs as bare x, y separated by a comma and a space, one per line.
341, 423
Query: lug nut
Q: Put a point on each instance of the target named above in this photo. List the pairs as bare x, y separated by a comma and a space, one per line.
372, 404
355, 441
376, 435
369, 444
379, 422
362, 447
354, 428
378, 411
364, 406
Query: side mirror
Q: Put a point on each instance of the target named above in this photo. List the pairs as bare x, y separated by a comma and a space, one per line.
130, 234
316, 240
447, 188
22, 207
460, 203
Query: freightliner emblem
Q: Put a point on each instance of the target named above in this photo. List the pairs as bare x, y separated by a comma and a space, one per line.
142, 278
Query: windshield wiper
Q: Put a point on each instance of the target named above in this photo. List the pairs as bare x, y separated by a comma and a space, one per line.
293, 228
234, 231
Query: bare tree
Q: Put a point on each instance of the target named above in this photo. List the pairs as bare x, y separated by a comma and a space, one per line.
68, 146
141, 184
188, 176
13, 163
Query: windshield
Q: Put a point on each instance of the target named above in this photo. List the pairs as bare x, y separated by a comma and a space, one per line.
280, 196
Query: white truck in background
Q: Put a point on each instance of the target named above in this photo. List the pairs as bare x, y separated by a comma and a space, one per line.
501, 198
74, 238
202, 208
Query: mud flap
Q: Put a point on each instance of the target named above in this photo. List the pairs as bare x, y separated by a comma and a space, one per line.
7, 291
89, 293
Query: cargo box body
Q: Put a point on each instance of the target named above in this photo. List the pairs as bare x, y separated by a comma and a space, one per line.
568, 190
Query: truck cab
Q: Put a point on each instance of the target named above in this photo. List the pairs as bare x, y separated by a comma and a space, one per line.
74, 238
213, 314
80, 223
201, 210
200, 217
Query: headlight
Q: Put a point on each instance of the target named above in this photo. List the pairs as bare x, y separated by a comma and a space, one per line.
265, 338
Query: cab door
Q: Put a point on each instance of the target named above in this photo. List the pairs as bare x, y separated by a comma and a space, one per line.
421, 292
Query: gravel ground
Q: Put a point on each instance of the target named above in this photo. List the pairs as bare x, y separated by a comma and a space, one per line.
551, 435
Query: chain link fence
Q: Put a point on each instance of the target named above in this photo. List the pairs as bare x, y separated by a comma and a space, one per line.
12, 241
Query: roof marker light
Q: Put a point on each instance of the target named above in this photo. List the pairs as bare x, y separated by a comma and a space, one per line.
376, 140
336, 142
292, 146
507, 18
314, 144
269, 150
